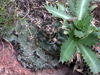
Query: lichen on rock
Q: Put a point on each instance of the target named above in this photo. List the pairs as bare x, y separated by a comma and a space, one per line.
29, 53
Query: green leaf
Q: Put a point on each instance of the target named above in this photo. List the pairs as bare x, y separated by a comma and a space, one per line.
57, 12
93, 7
65, 24
84, 23
66, 31
76, 22
67, 50
97, 34
81, 34
99, 29
71, 5
89, 40
61, 7
90, 58
82, 8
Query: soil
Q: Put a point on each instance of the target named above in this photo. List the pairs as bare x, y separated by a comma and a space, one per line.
97, 15
10, 66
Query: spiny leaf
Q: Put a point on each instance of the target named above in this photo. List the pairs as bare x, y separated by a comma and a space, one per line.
68, 26
90, 58
57, 13
82, 8
84, 23
81, 34
97, 34
65, 25
67, 50
99, 29
61, 7
76, 22
93, 7
71, 5
90, 40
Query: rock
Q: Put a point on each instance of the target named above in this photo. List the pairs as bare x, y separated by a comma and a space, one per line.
10, 66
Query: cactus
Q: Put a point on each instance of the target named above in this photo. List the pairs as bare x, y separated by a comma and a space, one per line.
51, 44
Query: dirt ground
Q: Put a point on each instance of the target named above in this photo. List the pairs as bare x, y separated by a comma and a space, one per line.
10, 66
97, 15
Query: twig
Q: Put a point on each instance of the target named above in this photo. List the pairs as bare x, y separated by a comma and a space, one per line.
10, 44
29, 30
71, 20
93, 25
27, 9
3, 46
40, 7
30, 18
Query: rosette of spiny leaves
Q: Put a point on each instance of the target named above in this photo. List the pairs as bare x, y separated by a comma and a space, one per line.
82, 33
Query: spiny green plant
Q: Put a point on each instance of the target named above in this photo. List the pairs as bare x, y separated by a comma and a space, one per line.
48, 43
82, 33
7, 17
